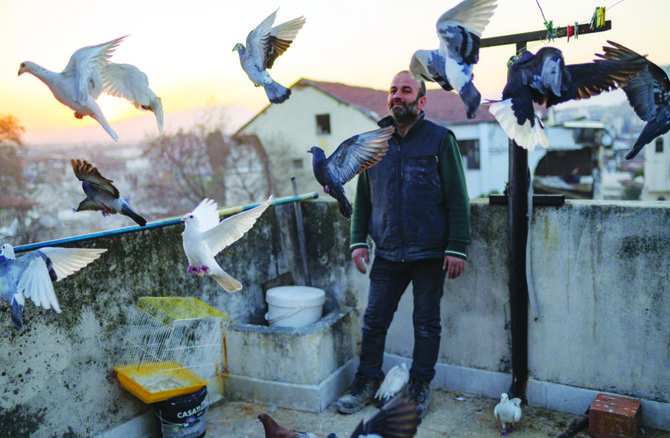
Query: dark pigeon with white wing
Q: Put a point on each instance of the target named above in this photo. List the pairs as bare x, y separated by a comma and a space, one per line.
351, 157
544, 78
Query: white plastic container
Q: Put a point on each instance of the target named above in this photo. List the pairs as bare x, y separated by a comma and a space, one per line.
294, 306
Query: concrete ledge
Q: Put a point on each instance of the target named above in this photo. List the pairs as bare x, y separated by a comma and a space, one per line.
310, 398
143, 426
553, 396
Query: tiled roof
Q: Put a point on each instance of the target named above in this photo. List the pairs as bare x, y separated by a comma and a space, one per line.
441, 106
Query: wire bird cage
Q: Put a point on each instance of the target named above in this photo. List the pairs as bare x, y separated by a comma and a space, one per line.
170, 344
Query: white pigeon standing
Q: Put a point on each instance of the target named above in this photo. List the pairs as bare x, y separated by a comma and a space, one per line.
459, 31
127, 81
31, 275
264, 44
204, 237
80, 84
507, 411
395, 380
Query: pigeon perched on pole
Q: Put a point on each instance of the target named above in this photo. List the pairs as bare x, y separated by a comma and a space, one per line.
396, 419
80, 84
30, 275
264, 44
127, 81
101, 193
459, 31
507, 412
351, 157
394, 381
648, 93
274, 430
544, 78
204, 237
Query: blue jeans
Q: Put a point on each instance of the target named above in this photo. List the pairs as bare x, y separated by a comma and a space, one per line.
388, 281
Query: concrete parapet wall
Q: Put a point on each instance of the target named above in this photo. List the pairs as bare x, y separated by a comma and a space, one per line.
600, 272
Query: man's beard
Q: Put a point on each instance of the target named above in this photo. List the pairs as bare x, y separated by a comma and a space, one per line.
406, 113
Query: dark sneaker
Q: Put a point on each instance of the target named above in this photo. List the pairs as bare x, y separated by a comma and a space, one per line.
420, 393
361, 393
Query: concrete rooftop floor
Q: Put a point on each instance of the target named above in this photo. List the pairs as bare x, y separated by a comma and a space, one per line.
451, 414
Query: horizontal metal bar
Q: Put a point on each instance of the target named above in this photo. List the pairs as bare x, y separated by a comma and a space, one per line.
540, 35
164, 223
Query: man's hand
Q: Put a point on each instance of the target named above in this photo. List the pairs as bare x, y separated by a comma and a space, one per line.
454, 266
360, 254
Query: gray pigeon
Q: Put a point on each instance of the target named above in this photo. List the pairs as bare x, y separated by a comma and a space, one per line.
264, 44
459, 31
101, 193
80, 84
127, 81
30, 276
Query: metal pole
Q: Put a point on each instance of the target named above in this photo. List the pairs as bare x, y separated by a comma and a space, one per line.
301, 235
518, 288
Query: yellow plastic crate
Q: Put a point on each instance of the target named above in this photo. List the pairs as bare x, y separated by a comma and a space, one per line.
129, 375
169, 309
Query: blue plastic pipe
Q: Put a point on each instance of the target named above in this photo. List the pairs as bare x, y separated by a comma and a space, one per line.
164, 223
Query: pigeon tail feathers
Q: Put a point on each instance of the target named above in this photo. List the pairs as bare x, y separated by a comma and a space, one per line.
650, 131
228, 283
127, 211
344, 205
471, 98
17, 312
527, 135
276, 92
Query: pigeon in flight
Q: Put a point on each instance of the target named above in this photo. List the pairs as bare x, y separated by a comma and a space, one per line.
127, 81
101, 193
545, 79
351, 157
459, 31
80, 84
394, 382
264, 45
648, 93
507, 412
30, 275
204, 237
274, 430
396, 419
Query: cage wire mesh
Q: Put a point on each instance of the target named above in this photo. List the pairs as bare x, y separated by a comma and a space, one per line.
170, 345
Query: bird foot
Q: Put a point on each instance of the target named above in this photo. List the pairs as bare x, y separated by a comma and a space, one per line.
192, 269
78, 116
326, 189
504, 433
202, 269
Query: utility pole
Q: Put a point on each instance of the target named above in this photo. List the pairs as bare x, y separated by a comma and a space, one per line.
518, 217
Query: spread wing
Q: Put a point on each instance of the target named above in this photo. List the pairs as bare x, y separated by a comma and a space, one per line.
473, 15
257, 40
280, 38
646, 92
85, 171
127, 81
86, 64
35, 282
233, 228
207, 214
67, 261
358, 153
428, 65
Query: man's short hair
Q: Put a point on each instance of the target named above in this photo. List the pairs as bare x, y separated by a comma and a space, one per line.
422, 84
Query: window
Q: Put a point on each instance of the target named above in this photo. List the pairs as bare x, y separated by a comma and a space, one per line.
659, 145
470, 152
297, 164
323, 124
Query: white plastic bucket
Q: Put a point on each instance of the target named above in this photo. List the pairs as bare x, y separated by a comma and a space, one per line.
294, 306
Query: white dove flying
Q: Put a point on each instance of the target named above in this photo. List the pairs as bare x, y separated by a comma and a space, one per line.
507, 411
80, 84
204, 237
459, 31
395, 380
264, 44
30, 275
127, 81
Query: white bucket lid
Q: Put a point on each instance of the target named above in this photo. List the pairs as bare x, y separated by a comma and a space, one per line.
293, 296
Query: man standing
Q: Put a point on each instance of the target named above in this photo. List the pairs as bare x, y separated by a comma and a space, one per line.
414, 204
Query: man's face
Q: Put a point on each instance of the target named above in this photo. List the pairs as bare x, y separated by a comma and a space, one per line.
402, 99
